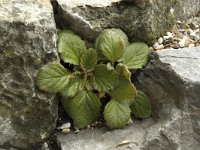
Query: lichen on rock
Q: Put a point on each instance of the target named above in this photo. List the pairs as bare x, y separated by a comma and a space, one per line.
28, 41
143, 20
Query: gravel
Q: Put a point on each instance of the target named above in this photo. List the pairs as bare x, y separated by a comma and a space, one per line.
183, 34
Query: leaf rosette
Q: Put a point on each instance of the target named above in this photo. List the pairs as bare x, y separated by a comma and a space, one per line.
97, 74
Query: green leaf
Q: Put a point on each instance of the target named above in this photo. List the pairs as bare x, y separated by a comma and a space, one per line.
111, 45
84, 108
141, 106
122, 35
70, 47
75, 85
52, 77
116, 114
124, 91
104, 79
89, 59
100, 56
136, 55
65, 102
123, 71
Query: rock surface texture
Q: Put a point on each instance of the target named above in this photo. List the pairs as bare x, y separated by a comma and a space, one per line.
143, 20
171, 81
28, 41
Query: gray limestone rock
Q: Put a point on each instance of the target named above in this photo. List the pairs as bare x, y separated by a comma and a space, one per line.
171, 82
185, 9
28, 41
171, 79
143, 20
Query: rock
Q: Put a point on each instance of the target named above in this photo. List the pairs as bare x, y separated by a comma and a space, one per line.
148, 21
155, 45
171, 81
175, 45
28, 41
64, 126
145, 135
54, 4
159, 47
167, 46
169, 34
45, 146
160, 40
182, 43
101, 139
185, 9
65, 130
167, 37
191, 45
193, 26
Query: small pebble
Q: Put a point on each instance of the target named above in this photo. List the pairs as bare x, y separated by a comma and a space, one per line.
193, 26
178, 22
65, 130
181, 25
197, 30
130, 122
197, 44
177, 39
182, 30
169, 34
182, 43
168, 41
88, 126
160, 40
167, 45
191, 45
183, 34
192, 34
175, 46
77, 131
179, 35
159, 47
195, 38
155, 45
151, 49
166, 37
64, 126
45, 146
190, 31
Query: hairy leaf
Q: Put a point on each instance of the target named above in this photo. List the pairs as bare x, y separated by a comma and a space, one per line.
84, 108
70, 47
124, 91
122, 35
111, 45
52, 77
141, 106
104, 79
89, 59
66, 101
123, 71
116, 114
100, 56
75, 85
136, 55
